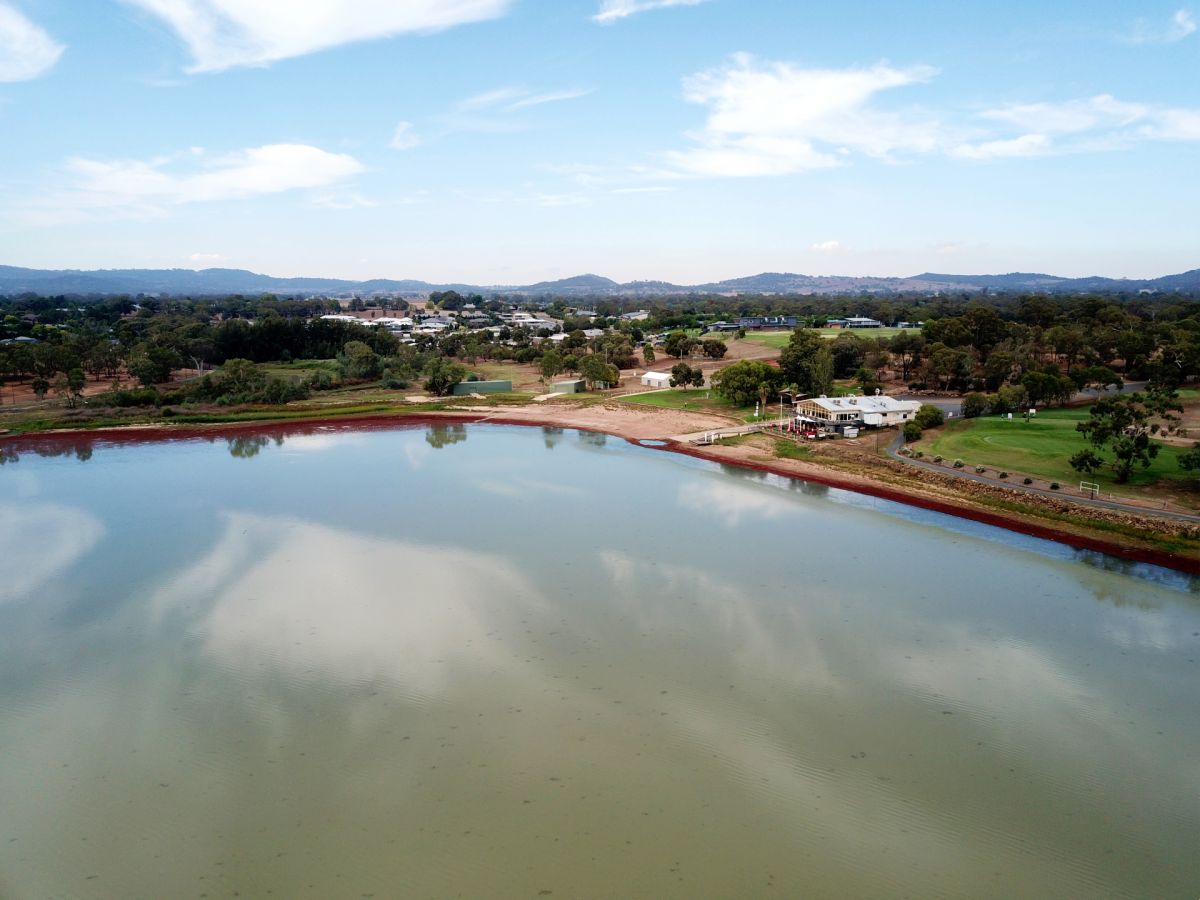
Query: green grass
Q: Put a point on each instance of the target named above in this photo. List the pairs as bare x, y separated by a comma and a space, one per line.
787, 449
1040, 448
701, 400
779, 339
776, 339
301, 367
865, 332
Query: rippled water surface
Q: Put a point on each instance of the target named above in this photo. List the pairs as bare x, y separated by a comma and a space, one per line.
502, 662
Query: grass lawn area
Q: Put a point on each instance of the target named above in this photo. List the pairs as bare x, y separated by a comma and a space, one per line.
775, 339
300, 368
523, 377
779, 339
695, 400
1040, 448
866, 332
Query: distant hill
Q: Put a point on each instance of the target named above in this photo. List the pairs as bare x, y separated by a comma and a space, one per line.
591, 284
15, 280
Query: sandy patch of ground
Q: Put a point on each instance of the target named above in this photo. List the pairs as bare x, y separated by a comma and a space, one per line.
620, 419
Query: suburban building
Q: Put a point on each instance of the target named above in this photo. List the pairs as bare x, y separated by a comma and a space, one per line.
840, 412
758, 322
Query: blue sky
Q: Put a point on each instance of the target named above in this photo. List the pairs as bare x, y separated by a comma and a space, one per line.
507, 141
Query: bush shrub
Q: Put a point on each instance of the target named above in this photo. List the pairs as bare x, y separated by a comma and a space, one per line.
958, 464
929, 416
979, 470
1054, 485
1003, 474
1027, 481
975, 405
938, 458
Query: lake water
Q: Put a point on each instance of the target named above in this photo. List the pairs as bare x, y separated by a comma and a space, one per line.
501, 662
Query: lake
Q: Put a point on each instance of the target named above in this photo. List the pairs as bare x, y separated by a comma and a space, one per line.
487, 661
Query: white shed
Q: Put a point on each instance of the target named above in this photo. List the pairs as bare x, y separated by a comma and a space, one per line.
657, 379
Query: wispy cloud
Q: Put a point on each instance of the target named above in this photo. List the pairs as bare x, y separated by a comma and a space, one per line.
648, 189
495, 111
404, 137
224, 34
548, 97
141, 188
1023, 146
613, 10
777, 118
351, 200
828, 247
208, 258
26, 51
1084, 125
1181, 25
513, 98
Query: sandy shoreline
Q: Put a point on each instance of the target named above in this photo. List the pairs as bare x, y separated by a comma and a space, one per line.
636, 425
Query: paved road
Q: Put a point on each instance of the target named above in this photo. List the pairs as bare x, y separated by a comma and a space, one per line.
952, 406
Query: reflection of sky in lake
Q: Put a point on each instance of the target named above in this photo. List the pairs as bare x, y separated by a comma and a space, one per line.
498, 661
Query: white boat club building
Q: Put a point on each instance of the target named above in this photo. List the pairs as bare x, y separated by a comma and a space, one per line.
840, 412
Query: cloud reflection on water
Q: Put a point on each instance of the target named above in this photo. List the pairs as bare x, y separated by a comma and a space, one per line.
731, 502
39, 541
319, 602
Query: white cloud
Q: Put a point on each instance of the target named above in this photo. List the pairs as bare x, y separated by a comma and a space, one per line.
1093, 123
648, 189
493, 111
404, 137
776, 118
1070, 117
548, 97
223, 34
352, 200
26, 51
1181, 25
612, 10
208, 258
512, 98
827, 247
1023, 146
150, 187
1174, 125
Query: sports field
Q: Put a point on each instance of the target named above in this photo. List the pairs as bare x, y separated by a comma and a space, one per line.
779, 339
1041, 448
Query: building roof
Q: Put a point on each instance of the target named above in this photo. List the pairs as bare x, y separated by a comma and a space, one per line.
864, 405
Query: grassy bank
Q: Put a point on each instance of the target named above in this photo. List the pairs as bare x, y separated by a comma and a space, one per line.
694, 400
